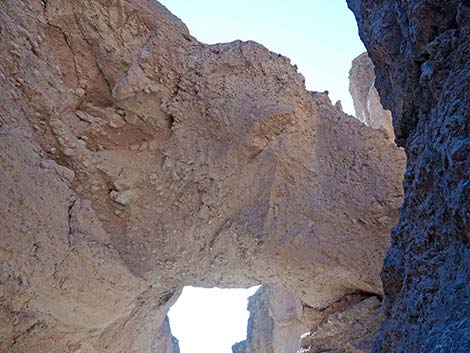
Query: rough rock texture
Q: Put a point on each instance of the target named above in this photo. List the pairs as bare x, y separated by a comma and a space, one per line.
280, 323
276, 322
352, 329
164, 341
269, 328
421, 51
366, 99
136, 160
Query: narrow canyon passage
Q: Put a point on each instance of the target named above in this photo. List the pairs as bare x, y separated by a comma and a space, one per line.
136, 160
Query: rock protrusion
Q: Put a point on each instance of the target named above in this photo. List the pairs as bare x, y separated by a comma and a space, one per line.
275, 323
366, 99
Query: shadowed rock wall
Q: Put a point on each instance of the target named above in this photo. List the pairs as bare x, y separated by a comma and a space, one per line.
421, 52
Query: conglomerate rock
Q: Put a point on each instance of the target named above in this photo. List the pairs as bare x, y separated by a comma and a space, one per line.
366, 99
421, 51
136, 160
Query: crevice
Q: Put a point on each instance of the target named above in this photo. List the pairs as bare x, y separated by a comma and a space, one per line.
77, 22
69, 221
348, 300
67, 43
110, 88
171, 121
165, 298
61, 262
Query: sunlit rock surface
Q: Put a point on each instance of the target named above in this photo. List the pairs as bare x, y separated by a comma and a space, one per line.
421, 53
276, 322
350, 325
137, 160
366, 99
280, 323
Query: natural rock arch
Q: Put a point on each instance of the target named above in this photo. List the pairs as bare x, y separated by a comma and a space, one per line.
138, 160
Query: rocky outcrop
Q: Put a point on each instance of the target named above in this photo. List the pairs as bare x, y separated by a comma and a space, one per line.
344, 330
351, 329
137, 160
420, 50
164, 340
276, 322
280, 323
366, 99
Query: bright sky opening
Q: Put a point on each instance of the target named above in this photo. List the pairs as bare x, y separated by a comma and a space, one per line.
210, 320
319, 36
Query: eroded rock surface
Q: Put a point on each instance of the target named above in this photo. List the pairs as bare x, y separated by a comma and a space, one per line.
276, 322
280, 323
136, 160
341, 330
164, 340
421, 53
351, 329
366, 99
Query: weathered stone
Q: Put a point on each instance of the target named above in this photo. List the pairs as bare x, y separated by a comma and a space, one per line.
238, 175
350, 330
366, 99
275, 324
421, 54
165, 342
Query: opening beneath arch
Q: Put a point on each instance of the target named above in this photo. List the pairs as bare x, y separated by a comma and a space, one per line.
210, 320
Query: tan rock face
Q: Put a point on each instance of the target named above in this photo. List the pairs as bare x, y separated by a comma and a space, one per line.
366, 99
164, 340
136, 160
280, 323
352, 329
276, 322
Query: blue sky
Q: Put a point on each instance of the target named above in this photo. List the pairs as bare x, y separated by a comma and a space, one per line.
320, 36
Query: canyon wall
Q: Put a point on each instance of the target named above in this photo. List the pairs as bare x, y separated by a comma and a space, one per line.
421, 52
137, 160
278, 318
280, 323
366, 99
350, 328
276, 322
